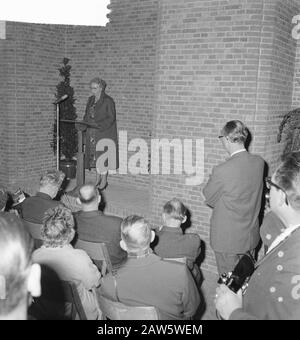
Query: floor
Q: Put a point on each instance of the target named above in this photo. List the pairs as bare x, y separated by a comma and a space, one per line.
124, 201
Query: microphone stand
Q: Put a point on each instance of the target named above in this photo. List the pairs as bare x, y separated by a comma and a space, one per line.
57, 136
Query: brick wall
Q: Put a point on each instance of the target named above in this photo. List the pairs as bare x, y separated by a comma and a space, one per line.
122, 53
30, 60
217, 61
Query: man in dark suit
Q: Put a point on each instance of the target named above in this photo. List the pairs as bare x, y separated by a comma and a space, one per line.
147, 280
172, 242
234, 191
34, 207
94, 226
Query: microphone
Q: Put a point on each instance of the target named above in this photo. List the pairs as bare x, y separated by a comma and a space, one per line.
61, 99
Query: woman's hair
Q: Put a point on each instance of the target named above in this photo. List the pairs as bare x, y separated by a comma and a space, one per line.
175, 209
99, 81
58, 227
16, 248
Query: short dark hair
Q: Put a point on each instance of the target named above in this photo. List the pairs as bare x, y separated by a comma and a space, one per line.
287, 176
16, 248
175, 209
236, 131
136, 232
58, 227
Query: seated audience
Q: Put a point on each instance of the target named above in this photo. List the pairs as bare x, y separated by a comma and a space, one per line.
147, 280
274, 288
271, 227
68, 263
172, 243
3, 199
19, 278
92, 225
34, 207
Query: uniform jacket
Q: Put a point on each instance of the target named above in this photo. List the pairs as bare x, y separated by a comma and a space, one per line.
234, 191
150, 281
271, 227
274, 288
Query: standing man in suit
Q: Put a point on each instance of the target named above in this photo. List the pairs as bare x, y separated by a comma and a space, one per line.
234, 191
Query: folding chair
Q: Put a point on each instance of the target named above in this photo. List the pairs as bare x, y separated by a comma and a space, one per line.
98, 253
113, 310
60, 299
34, 230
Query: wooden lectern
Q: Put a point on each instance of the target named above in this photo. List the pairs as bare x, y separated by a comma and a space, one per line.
81, 127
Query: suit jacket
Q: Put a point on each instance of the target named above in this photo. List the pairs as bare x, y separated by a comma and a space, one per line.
274, 288
173, 243
234, 191
150, 281
94, 226
34, 207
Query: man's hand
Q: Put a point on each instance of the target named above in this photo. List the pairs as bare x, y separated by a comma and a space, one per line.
227, 301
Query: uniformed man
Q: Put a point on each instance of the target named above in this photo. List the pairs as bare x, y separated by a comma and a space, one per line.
274, 288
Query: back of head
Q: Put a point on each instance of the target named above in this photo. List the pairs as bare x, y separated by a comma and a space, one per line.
287, 176
235, 131
136, 233
16, 247
88, 195
3, 198
52, 178
175, 209
58, 227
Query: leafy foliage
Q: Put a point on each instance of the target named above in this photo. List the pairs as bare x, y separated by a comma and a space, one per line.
289, 130
67, 110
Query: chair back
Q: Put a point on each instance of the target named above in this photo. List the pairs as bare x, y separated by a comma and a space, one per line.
34, 230
177, 259
59, 300
98, 253
113, 310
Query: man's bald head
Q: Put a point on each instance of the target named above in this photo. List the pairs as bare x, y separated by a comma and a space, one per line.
88, 194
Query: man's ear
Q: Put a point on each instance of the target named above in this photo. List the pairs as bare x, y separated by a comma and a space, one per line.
34, 280
123, 245
99, 199
152, 236
184, 220
78, 201
281, 198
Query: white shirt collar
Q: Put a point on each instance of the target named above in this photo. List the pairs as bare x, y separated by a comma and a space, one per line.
287, 232
238, 151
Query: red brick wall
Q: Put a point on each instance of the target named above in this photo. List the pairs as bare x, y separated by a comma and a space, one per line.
220, 60
123, 53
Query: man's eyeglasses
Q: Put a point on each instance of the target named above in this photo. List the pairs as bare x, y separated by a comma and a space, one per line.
220, 137
270, 183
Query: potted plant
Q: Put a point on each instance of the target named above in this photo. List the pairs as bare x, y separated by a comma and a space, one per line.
289, 131
67, 131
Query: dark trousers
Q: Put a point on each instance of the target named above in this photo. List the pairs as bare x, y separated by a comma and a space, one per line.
226, 262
